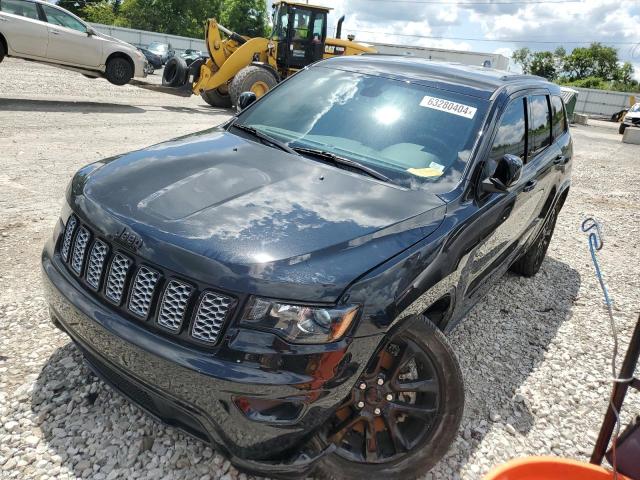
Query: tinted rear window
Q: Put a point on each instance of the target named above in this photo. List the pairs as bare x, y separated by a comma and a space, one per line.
540, 128
559, 119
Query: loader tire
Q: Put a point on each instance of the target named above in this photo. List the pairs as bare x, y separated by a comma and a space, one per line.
251, 79
216, 99
175, 72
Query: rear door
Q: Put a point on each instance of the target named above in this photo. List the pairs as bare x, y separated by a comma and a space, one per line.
23, 27
68, 40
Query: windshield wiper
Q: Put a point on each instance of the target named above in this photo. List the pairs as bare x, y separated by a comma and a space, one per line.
338, 160
264, 137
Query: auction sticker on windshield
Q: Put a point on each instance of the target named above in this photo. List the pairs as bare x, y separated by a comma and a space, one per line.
448, 106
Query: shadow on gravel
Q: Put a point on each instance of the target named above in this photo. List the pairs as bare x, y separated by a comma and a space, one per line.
500, 343
29, 105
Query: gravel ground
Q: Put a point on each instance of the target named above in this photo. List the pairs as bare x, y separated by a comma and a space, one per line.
534, 353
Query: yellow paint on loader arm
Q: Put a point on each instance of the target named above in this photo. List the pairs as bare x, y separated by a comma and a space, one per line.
242, 57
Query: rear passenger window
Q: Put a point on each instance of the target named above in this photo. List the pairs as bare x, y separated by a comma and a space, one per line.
559, 118
511, 136
540, 126
20, 8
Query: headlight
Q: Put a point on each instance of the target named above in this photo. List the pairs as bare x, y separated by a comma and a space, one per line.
299, 323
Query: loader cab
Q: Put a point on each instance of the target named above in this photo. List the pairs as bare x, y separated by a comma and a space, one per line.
300, 33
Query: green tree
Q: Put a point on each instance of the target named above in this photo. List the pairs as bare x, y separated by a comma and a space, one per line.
176, 17
543, 64
595, 60
246, 17
522, 57
101, 12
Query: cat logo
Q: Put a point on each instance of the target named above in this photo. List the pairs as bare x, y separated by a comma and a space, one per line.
334, 50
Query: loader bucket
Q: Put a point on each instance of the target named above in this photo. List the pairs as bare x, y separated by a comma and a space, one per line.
550, 468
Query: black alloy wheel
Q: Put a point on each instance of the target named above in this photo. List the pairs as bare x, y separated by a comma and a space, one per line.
403, 412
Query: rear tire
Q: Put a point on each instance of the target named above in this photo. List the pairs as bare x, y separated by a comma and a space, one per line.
529, 264
217, 99
251, 79
621, 128
175, 72
404, 412
119, 71
3, 52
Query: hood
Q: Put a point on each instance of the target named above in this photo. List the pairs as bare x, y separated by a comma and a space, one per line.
115, 40
251, 217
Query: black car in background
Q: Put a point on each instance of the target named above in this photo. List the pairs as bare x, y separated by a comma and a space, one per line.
191, 55
163, 50
282, 285
154, 59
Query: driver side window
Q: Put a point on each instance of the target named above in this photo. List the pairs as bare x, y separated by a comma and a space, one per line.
512, 133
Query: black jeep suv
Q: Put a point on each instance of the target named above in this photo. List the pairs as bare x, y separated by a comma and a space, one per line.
281, 285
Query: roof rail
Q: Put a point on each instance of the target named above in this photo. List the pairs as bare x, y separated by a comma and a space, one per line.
520, 76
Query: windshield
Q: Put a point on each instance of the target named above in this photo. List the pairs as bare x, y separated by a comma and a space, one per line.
405, 131
635, 108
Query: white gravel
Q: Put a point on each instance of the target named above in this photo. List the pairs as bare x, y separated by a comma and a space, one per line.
533, 353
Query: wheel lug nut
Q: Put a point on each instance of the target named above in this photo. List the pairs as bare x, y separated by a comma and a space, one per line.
362, 386
380, 381
389, 397
360, 404
377, 411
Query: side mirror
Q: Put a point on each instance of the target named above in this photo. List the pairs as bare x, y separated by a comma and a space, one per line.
90, 32
245, 99
507, 174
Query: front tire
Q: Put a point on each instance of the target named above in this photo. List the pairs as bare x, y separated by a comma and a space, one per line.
529, 264
621, 128
3, 51
251, 79
215, 98
119, 71
403, 413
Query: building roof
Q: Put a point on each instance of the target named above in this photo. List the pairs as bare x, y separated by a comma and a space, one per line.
474, 80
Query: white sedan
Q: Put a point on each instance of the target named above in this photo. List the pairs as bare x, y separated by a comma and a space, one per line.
36, 30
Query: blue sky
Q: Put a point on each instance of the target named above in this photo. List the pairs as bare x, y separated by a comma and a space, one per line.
494, 25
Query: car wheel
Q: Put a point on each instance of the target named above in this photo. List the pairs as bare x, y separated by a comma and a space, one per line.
119, 71
3, 52
403, 413
175, 72
216, 98
251, 79
621, 128
529, 264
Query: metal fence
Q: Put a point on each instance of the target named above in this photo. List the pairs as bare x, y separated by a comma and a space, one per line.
141, 38
603, 103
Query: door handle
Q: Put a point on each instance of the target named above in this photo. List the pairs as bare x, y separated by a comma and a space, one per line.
560, 160
2, 19
530, 185
54, 32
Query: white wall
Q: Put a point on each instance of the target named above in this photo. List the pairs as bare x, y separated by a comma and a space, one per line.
603, 102
141, 38
498, 61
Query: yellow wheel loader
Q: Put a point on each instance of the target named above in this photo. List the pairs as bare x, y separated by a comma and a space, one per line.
237, 64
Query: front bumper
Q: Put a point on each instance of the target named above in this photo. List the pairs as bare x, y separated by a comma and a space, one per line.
194, 390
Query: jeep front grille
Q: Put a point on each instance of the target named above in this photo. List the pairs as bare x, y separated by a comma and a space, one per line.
79, 249
153, 296
68, 235
142, 292
96, 263
174, 305
210, 317
117, 277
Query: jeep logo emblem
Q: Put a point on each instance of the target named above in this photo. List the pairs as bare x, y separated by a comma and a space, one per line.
129, 239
